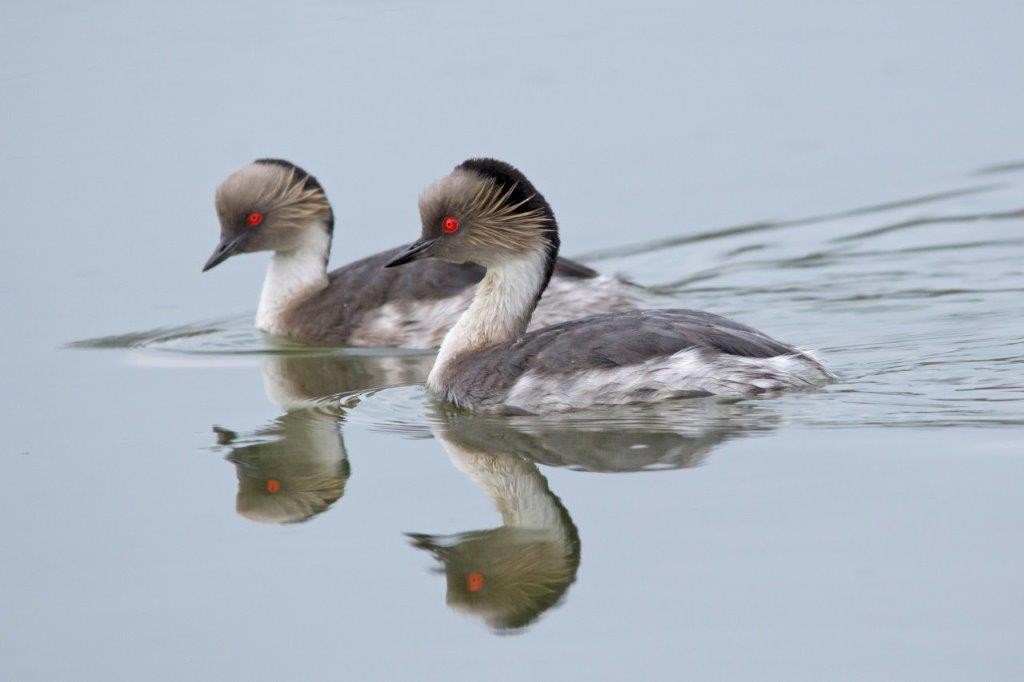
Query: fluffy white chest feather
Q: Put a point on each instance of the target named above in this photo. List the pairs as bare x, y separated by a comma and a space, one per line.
291, 276
500, 310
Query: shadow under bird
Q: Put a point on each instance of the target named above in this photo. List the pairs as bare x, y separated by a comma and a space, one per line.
273, 205
487, 212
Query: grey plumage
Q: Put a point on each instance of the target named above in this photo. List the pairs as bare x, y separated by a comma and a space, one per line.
484, 379
362, 304
487, 363
356, 293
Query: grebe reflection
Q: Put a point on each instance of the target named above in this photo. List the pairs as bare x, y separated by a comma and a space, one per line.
297, 466
511, 575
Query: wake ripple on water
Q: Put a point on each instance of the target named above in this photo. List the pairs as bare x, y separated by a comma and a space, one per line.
915, 304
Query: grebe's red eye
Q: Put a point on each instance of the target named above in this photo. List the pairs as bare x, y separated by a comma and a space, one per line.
254, 219
450, 224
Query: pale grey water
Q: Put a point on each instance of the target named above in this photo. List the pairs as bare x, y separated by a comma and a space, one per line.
848, 179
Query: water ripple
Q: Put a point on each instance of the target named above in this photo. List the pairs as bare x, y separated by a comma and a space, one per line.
924, 328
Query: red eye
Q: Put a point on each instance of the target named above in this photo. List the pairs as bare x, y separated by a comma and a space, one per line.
254, 219
450, 224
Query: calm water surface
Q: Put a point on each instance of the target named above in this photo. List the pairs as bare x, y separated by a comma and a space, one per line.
188, 498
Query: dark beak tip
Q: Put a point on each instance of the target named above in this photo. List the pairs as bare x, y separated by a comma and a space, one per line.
216, 259
400, 259
224, 250
414, 251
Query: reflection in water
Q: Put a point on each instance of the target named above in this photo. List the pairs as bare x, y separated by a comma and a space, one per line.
916, 303
297, 467
296, 381
291, 470
512, 574
670, 435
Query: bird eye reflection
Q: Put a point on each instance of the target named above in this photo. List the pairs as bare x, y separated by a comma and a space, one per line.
290, 470
296, 467
511, 575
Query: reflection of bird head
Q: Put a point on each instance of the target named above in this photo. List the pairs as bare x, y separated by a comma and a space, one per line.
507, 576
512, 574
297, 467
291, 471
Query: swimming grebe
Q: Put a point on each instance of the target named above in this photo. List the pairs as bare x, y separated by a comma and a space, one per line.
487, 212
273, 205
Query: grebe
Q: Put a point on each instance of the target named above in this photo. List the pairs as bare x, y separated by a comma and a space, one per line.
487, 212
273, 205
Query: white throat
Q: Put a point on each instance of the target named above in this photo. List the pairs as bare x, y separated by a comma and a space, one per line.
500, 311
293, 275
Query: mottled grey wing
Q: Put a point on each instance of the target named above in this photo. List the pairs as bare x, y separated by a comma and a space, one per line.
612, 340
622, 339
367, 284
362, 287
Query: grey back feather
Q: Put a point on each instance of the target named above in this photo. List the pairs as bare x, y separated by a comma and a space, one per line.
602, 342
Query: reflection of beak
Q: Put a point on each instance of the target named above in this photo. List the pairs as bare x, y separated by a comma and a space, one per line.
414, 251
227, 248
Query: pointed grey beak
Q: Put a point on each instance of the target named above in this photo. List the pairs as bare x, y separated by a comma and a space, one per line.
414, 251
227, 248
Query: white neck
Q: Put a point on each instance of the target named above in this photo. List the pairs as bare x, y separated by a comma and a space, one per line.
500, 311
293, 275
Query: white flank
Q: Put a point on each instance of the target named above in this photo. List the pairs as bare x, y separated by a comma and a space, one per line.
568, 299
688, 371
411, 323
